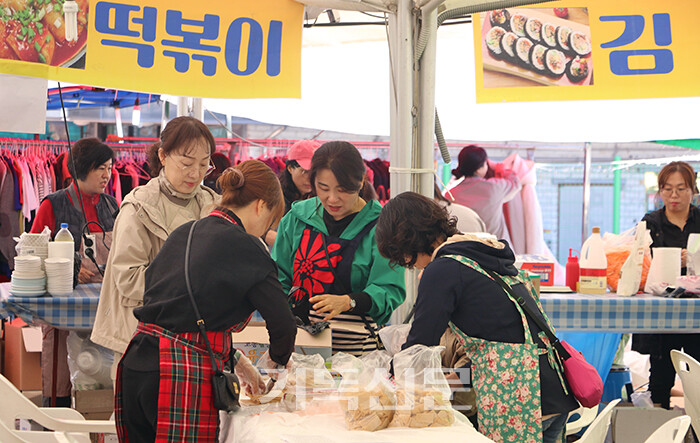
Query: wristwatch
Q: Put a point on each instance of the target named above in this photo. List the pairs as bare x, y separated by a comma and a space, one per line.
353, 303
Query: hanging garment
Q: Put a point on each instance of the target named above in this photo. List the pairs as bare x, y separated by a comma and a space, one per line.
486, 197
9, 215
524, 215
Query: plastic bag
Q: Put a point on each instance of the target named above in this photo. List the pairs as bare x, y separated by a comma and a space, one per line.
34, 244
394, 336
631, 271
693, 255
89, 363
366, 395
379, 359
422, 393
617, 251
306, 379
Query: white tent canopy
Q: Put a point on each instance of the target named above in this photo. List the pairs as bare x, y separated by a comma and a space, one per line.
346, 88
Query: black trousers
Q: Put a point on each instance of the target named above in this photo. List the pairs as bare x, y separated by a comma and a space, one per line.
662, 373
140, 404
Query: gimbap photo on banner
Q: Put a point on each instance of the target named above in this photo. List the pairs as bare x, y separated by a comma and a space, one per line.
536, 47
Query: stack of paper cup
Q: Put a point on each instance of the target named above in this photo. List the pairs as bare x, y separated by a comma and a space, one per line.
62, 249
59, 276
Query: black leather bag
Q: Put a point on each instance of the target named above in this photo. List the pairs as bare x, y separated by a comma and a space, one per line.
226, 388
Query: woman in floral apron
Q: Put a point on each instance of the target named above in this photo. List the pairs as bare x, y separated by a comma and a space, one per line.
522, 395
327, 256
164, 380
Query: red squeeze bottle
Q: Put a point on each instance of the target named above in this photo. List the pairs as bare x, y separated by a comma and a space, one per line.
572, 271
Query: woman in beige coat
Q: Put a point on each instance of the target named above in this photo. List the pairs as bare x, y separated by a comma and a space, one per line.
148, 214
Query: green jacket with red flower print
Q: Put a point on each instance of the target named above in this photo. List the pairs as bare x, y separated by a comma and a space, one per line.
370, 272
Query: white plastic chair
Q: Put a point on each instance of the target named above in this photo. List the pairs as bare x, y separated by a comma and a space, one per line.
8, 435
68, 423
597, 431
673, 431
586, 417
688, 370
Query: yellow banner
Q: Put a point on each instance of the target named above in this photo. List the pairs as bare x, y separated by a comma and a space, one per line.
215, 48
598, 49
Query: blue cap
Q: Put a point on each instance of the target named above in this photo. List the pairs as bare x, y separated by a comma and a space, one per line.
64, 225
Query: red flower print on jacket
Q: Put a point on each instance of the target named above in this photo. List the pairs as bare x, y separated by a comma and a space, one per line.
311, 268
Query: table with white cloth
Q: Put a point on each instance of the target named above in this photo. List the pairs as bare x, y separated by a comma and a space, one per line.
614, 313
249, 425
74, 312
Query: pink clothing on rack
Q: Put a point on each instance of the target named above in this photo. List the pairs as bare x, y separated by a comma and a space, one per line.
525, 215
117, 185
52, 178
32, 164
486, 197
40, 180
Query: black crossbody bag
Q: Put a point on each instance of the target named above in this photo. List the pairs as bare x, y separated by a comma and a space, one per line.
226, 387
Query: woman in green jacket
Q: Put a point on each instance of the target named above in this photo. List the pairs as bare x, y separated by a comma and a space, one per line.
327, 255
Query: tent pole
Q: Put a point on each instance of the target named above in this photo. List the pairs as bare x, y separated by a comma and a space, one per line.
401, 35
617, 186
426, 108
183, 106
197, 109
401, 91
586, 190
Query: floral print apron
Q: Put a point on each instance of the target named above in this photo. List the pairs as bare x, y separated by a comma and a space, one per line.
506, 376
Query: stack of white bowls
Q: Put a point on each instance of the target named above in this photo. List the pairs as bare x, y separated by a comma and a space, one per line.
28, 279
59, 276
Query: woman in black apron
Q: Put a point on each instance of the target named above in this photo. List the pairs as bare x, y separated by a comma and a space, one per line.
327, 256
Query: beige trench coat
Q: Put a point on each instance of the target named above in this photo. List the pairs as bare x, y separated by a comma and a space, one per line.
139, 233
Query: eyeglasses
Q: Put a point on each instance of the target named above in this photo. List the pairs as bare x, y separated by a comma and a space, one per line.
666, 192
199, 169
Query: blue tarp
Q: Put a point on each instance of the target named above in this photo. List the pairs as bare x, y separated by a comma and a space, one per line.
88, 97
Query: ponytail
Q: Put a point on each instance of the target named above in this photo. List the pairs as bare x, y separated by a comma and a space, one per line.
249, 181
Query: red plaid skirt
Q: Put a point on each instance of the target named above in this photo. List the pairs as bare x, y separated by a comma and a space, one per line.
186, 411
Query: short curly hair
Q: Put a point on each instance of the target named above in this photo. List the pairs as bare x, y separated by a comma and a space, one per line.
409, 224
88, 154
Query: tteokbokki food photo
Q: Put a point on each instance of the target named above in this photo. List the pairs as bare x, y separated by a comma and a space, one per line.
40, 31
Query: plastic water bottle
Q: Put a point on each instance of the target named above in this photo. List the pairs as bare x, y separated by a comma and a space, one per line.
63, 246
593, 267
64, 234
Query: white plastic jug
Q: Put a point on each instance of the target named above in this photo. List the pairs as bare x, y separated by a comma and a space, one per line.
593, 265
